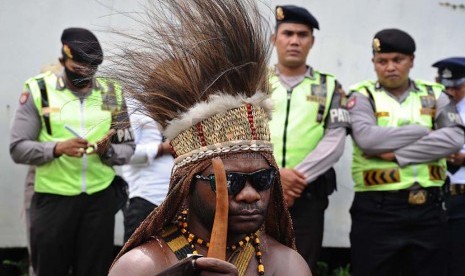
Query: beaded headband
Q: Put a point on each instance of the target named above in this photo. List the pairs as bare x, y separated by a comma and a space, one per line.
222, 124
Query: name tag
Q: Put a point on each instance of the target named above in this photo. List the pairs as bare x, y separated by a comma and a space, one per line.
317, 99
48, 110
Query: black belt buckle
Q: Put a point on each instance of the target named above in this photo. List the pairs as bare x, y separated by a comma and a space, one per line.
417, 197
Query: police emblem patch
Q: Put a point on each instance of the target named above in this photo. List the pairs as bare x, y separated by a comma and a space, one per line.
24, 96
279, 14
376, 45
67, 51
446, 74
351, 103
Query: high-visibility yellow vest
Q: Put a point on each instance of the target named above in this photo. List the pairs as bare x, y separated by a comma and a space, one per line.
418, 108
91, 118
299, 115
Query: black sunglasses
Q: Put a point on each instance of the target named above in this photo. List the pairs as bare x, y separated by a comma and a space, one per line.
261, 180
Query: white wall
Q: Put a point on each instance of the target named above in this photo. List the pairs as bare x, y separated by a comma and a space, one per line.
30, 38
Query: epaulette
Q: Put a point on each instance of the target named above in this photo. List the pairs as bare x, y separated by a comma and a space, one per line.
361, 86
40, 76
324, 73
429, 83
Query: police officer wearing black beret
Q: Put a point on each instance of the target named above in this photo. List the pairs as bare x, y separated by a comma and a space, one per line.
451, 74
403, 130
64, 126
308, 128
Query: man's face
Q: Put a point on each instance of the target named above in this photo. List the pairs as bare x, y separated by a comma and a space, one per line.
82, 69
457, 92
392, 69
247, 210
293, 42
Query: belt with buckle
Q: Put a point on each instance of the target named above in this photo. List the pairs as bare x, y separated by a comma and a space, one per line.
457, 189
417, 196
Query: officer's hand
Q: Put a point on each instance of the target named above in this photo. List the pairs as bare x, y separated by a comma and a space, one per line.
457, 159
163, 148
212, 266
292, 181
103, 144
75, 147
388, 156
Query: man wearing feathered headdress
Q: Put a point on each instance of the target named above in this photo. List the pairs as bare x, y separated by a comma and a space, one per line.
208, 89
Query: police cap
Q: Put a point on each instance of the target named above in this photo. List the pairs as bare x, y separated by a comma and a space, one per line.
451, 71
81, 45
393, 40
294, 14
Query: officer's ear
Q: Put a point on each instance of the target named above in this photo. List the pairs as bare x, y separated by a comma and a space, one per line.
412, 58
62, 61
273, 38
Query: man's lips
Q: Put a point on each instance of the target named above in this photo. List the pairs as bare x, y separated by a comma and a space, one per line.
244, 213
293, 52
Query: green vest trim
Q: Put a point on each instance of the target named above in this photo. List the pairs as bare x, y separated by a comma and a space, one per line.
92, 119
298, 119
418, 108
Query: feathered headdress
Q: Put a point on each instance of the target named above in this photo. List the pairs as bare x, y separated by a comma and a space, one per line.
200, 70
202, 67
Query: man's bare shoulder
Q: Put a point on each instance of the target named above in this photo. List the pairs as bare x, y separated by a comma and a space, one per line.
282, 260
147, 259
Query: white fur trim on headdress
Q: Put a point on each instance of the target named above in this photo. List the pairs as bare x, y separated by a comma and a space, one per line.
216, 103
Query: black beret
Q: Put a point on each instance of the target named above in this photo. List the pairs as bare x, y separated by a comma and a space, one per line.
393, 40
82, 46
294, 14
451, 71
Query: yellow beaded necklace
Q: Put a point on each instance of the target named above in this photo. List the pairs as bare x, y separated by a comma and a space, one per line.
193, 239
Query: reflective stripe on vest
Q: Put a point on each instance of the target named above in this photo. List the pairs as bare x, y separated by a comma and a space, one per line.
418, 108
298, 119
70, 175
44, 104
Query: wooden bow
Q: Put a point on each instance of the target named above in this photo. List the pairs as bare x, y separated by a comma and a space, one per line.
219, 234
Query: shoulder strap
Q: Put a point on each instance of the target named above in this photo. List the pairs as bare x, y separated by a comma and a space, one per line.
372, 99
320, 91
430, 92
45, 104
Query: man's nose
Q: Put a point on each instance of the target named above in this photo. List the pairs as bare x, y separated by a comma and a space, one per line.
391, 66
295, 39
248, 194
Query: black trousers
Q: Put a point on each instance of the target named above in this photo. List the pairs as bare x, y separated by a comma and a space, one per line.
456, 237
307, 215
134, 214
72, 233
391, 237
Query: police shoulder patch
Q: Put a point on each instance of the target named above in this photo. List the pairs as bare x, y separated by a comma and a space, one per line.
24, 96
351, 102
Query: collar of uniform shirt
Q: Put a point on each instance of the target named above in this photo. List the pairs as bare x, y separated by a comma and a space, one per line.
291, 82
461, 105
307, 74
411, 88
61, 83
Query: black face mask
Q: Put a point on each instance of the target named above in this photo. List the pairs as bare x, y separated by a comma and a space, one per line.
78, 80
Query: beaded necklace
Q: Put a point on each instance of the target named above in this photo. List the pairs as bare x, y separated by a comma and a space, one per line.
193, 239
